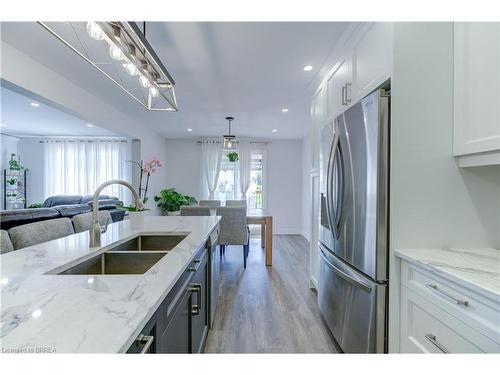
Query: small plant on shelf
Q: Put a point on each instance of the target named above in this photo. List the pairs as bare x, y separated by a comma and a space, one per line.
170, 200
14, 163
233, 156
12, 181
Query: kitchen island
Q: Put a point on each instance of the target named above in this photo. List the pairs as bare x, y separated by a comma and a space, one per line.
43, 311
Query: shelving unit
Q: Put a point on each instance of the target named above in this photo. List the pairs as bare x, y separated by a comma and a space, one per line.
14, 189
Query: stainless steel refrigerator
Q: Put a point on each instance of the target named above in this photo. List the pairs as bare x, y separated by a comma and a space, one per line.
353, 239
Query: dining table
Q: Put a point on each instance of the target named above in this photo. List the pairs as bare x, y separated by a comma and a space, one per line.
263, 218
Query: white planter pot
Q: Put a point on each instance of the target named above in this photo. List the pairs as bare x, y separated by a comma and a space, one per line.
174, 213
136, 219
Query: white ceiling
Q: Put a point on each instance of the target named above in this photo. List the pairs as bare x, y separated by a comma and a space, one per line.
247, 70
18, 117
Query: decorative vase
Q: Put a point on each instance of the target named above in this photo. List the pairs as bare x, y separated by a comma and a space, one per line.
174, 213
136, 219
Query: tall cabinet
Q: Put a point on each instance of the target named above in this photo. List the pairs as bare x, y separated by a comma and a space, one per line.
362, 65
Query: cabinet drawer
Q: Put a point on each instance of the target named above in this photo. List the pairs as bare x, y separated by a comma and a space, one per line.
425, 328
478, 312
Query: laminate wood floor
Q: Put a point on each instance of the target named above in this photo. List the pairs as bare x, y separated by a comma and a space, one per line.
268, 309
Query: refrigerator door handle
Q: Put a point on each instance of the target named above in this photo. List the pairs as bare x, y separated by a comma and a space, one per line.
344, 275
329, 185
340, 190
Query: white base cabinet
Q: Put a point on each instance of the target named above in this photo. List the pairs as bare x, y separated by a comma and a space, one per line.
439, 316
476, 101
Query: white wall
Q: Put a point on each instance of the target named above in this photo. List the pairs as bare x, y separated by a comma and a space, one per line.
32, 157
306, 187
434, 204
183, 166
284, 178
9, 145
24, 71
284, 185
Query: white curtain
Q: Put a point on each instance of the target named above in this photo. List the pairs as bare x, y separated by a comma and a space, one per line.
245, 164
80, 166
211, 156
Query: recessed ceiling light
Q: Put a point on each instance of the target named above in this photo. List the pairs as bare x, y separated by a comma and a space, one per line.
190, 130
36, 313
90, 125
34, 104
308, 68
284, 110
275, 130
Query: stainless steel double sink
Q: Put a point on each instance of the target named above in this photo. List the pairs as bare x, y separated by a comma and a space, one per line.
135, 256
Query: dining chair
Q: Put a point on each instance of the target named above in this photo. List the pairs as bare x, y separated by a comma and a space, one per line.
195, 211
234, 229
236, 203
5, 243
39, 232
83, 222
209, 203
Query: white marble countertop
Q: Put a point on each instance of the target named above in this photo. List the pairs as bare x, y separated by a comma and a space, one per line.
82, 313
476, 269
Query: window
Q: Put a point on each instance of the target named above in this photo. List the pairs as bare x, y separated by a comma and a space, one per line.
228, 185
80, 166
255, 191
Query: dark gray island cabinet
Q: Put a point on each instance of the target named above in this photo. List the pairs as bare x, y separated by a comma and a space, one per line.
180, 324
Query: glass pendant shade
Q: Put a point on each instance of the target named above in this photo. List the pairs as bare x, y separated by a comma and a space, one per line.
229, 142
115, 52
154, 92
95, 31
131, 69
144, 82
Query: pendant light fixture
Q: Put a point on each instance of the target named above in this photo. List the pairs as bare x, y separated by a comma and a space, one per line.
229, 140
121, 52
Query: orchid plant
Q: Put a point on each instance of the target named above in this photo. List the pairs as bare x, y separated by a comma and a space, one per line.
146, 169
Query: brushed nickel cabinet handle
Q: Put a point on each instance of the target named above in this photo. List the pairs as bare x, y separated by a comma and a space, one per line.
344, 95
196, 308
432, 338
198, 264
347, 100
435, 289
148, 340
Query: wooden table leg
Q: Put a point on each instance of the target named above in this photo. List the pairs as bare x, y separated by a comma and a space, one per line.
263, 235
269, 241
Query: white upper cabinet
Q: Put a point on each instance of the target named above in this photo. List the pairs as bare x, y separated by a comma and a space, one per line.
339, 88
372, 58
364, 65
476, 131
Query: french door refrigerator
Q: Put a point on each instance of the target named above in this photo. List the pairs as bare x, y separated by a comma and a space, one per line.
353, 239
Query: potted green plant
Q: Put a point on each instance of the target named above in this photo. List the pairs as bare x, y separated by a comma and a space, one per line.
170, 201
12, 181
14, 163
233, 156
